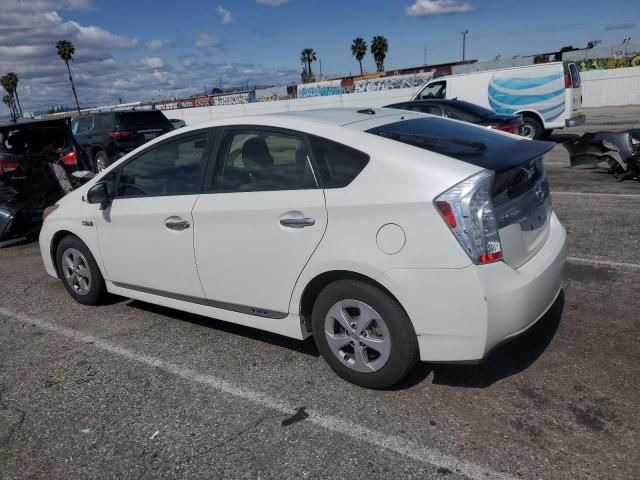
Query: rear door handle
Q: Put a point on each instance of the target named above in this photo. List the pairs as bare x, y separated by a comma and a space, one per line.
176, 223
297, 222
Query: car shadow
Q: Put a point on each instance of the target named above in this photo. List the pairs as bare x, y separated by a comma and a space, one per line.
306, 347
510, 358
561, 138
506, 360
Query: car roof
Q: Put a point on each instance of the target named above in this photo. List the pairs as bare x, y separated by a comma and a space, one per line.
360, 118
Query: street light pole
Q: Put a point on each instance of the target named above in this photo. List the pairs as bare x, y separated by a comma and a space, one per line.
464, 44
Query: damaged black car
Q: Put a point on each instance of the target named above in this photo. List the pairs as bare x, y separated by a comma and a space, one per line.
619, 152
40, 162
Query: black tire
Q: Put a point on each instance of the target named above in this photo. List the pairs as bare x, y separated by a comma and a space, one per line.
546, 133
404, 343
100, 161
96, 286
532, 128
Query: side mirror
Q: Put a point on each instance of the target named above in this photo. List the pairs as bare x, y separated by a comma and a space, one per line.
99, 193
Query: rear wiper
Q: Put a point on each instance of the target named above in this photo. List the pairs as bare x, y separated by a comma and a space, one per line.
435, 142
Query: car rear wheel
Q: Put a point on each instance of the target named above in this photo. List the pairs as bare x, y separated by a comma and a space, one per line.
100, 161
79, 272
363, 334
532, 128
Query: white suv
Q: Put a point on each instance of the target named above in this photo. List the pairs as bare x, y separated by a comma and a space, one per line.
390, 236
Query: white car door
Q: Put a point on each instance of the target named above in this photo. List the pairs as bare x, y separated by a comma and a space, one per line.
260, 223
146, 234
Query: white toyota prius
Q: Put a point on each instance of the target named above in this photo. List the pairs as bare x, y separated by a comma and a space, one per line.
389, 236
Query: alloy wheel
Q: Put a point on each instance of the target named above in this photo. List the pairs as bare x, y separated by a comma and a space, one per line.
76, 270
357, 335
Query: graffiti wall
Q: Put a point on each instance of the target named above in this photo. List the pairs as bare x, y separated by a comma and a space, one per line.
606, 57
617, 61
391, 83
320, 89
207, 101
272, 94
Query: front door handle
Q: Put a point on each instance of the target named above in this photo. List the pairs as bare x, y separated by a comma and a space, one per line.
297, 222
176, 223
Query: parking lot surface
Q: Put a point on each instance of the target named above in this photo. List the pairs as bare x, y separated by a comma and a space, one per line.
131, 390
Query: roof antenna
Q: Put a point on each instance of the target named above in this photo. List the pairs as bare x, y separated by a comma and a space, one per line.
367, 111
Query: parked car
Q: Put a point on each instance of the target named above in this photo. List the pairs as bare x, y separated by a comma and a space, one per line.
466, 112
390, 236
547, 95
177, 123
107, 136
36, 158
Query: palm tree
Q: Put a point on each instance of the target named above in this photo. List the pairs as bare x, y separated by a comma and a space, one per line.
65, 51
8, 100
307, 56
359, 50
7, 85
379, 48
13, 84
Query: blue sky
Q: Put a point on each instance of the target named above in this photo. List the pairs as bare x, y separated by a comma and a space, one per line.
144, 49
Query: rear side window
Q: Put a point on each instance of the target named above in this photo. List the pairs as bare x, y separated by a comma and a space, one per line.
338, 164
257, 160
143, 119
84, 124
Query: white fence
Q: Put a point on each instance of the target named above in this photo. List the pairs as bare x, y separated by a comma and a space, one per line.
610, 88
599, 89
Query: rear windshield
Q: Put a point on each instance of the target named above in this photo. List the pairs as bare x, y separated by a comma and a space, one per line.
453, 139
478, 146
143, 119
472, 108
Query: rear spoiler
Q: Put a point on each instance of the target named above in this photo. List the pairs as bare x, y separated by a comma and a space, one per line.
515, 154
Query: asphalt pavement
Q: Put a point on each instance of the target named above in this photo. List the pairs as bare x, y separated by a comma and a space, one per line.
129, 390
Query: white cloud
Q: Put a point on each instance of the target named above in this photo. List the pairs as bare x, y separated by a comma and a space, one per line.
225, 15
152, 62
207, 40
272, 3
156, 44
427, 8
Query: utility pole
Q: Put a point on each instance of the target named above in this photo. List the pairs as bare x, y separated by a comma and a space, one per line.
464, 44
425, 55
320, 62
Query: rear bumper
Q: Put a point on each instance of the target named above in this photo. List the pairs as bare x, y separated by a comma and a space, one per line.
575, 121
462, 314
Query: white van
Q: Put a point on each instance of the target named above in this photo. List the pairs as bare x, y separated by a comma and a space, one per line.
547, 95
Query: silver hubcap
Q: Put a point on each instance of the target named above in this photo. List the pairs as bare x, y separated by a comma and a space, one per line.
357, 335
100, 163
528, 131
76, 271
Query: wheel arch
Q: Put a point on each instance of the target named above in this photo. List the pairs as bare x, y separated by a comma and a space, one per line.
320, 281
55, 241
532, 113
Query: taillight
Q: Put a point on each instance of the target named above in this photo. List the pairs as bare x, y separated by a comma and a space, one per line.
116, 134
510, 127
48, 211
568, 82
467, 210
69, 158
7, 165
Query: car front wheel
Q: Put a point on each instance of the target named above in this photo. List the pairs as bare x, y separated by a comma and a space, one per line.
79, 272
363, 334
